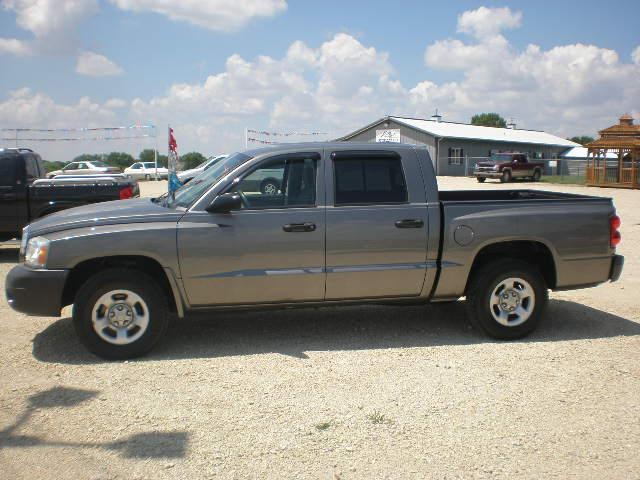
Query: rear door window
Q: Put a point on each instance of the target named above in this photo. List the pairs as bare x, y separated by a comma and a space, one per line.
365, 181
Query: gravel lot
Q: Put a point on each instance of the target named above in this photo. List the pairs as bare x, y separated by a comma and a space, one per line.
358, 392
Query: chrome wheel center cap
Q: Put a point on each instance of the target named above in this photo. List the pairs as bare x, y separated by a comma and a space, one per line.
120, 315
509, 300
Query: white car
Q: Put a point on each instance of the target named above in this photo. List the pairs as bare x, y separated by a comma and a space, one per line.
187, 175
84, 168
146, 171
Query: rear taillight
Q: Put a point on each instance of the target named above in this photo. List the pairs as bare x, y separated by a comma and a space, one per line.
614, 233
126, 192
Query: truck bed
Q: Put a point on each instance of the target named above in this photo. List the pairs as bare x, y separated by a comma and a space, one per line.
508, 195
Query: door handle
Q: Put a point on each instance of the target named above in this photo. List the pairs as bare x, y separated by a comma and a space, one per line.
410, 223
299, 227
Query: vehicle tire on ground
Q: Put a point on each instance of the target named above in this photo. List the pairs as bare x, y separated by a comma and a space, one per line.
506, 176
147, 176
481, 179
120, 313
506, 299
536, 175
269, 186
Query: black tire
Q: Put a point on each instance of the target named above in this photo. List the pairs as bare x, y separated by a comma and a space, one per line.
116, 279
481, 179
480, 290
147, 177
506, 176
536, 175
269, 186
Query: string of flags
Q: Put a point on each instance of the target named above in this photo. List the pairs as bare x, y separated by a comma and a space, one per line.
284, 134
74, 139
79, 129
257, 140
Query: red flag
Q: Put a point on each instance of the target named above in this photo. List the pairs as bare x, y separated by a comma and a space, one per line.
173, 145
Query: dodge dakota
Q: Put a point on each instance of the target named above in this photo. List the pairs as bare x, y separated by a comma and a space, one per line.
349, 223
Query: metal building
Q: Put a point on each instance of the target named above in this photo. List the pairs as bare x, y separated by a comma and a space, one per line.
456, 147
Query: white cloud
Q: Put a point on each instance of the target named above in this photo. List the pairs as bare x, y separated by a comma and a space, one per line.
52, 22
95, 65
14, 47
635, 55
487, 22
342, 84
220, 15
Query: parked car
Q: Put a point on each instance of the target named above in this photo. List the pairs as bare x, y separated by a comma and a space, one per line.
25, 195
351, 223
146, 171
188, 175
84, 168
508, 166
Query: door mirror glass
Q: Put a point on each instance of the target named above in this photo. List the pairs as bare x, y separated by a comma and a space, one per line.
225, 203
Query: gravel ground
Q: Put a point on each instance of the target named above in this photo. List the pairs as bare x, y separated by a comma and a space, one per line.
358, 392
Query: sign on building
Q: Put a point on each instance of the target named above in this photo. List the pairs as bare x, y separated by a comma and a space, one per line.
388, 135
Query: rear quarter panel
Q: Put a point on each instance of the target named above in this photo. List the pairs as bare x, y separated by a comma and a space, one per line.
576, 232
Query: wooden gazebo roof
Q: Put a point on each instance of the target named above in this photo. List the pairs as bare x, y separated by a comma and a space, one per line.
623, 135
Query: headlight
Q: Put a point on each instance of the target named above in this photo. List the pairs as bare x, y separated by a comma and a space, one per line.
37, 252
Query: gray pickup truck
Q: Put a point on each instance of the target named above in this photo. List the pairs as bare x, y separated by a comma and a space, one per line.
349, 223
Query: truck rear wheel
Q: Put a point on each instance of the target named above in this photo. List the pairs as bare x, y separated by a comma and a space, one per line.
120, 314
506, 299
536, 175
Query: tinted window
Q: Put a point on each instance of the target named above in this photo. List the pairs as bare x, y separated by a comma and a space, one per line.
7, 171
31, 167
370, 180
280, 183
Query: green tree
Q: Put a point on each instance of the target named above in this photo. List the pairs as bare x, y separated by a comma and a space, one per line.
582, 140
88, 157
146, 155
51, 166
119, 159
192, 160
488, 120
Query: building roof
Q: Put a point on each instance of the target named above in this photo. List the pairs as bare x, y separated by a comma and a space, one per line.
622, 135
475, 132
581, 153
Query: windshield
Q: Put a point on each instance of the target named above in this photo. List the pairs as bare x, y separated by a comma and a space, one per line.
192, 191
500, 158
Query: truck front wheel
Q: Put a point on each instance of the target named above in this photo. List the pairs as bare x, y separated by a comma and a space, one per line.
481, 179
120, 313
506, 299
506, 176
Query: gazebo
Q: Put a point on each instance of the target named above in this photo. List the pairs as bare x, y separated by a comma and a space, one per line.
623, 140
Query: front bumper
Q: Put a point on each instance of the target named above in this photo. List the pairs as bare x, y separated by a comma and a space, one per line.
35, 292
616, 267
492, 174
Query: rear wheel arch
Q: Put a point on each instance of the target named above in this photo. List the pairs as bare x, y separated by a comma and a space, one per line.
86, 269
533, 252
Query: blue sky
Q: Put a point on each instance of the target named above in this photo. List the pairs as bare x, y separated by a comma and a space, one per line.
390, 50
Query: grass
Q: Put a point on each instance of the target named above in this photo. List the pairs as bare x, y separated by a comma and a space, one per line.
322, 426
564, 179
378, 418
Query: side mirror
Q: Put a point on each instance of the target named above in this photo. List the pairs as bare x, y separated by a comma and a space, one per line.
225, 203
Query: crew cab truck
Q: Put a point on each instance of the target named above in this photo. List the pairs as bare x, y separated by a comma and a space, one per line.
350, 223
508, 166
26, 195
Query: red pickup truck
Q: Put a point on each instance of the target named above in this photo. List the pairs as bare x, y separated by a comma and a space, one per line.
508, 165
